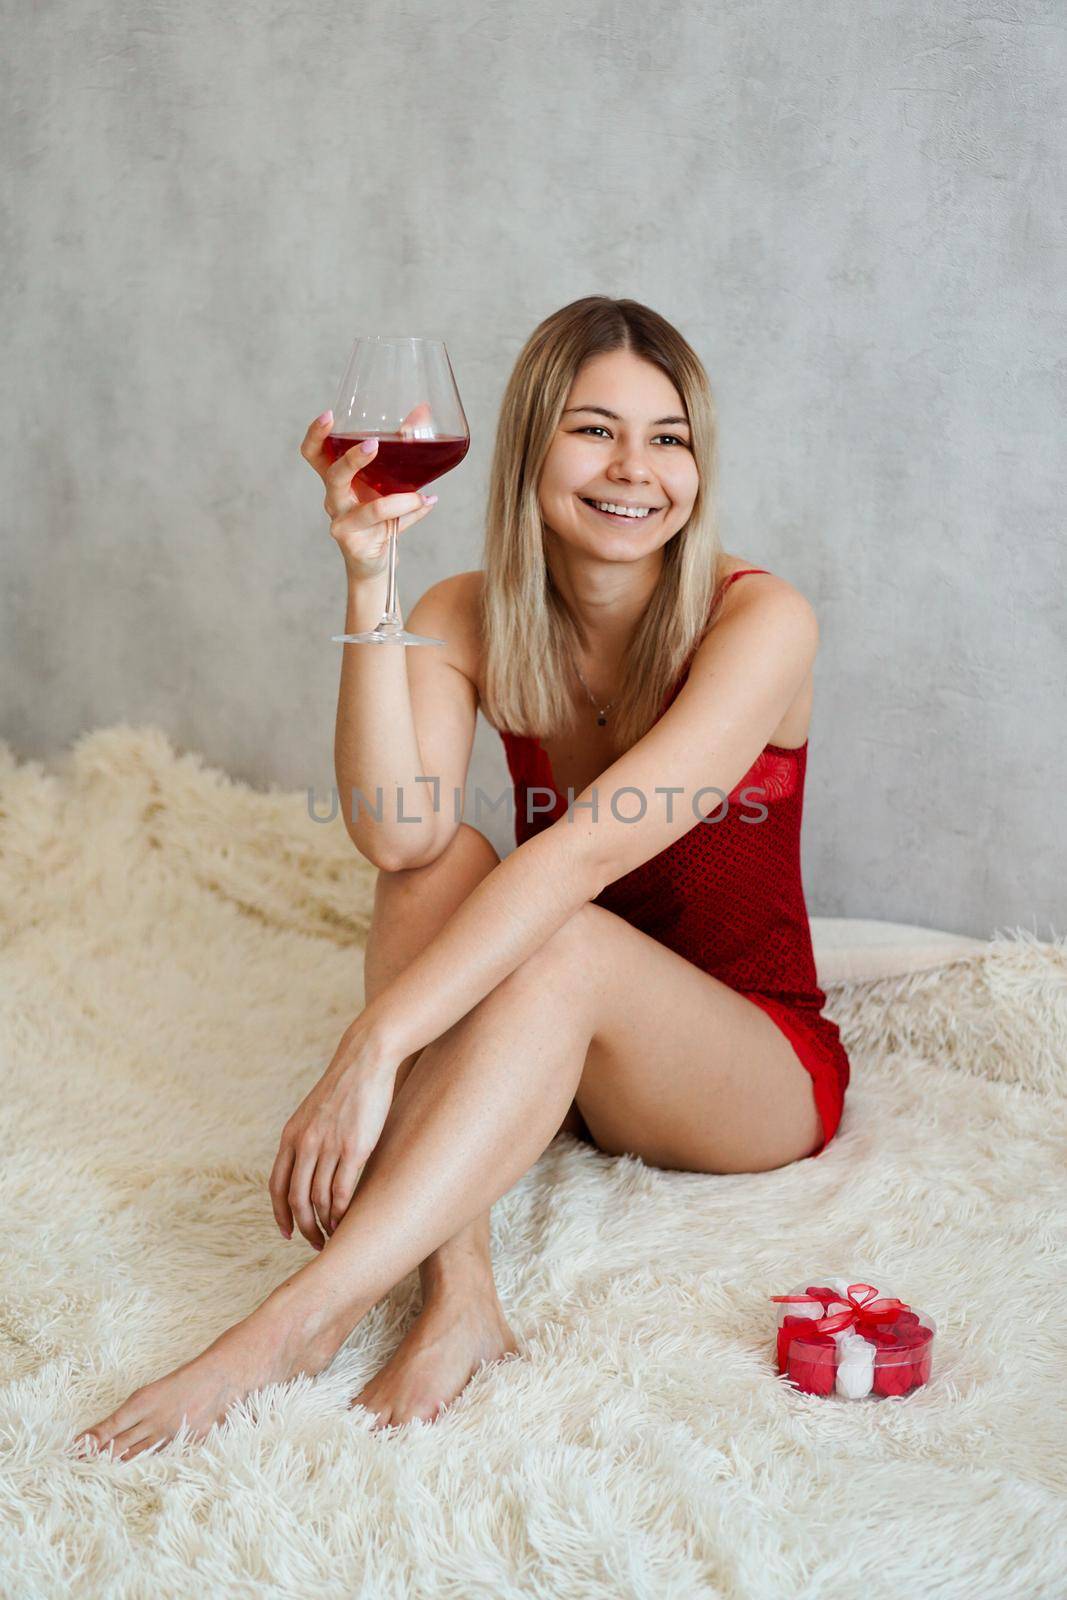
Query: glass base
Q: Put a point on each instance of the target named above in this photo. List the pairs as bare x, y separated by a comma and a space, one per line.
380, 635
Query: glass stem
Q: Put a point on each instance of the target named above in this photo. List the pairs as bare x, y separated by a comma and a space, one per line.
391, 617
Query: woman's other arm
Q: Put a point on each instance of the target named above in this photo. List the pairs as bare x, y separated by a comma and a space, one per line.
743, 679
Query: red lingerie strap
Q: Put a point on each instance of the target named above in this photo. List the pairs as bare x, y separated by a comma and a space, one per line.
741, 573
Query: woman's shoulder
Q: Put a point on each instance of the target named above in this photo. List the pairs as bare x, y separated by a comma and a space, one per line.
762, 581
770, 590
467, 590
451, 610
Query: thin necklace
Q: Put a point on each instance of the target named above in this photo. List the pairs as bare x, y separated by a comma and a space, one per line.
601, 711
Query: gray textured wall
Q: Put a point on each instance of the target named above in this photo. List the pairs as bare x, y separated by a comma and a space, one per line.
856, 219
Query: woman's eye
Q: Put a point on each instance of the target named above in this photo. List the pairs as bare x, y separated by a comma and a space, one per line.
596, 427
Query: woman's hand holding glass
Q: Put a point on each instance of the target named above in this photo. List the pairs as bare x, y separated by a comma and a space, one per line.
359, 518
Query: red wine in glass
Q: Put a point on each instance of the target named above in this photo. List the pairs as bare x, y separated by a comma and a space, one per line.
402, 465
402, 392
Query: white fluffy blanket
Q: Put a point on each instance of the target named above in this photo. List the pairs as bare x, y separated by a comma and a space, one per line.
180, 956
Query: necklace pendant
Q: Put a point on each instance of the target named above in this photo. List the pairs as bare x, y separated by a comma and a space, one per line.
601, 720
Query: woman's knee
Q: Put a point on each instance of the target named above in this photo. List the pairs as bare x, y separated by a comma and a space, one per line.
413, 904
471, 850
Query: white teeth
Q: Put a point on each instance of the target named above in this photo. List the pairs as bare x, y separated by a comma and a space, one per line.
623, 511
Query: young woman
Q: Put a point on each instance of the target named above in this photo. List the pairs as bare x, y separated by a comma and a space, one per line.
639, 970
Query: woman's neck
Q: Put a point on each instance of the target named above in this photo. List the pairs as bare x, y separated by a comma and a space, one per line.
607, 601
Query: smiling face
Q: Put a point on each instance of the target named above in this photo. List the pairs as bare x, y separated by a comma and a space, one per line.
639, 457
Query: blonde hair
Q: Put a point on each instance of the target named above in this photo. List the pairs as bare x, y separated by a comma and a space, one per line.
529, 633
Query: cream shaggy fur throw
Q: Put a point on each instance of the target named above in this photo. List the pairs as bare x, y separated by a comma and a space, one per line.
180, 955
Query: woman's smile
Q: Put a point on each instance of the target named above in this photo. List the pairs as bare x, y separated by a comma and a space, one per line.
626, 516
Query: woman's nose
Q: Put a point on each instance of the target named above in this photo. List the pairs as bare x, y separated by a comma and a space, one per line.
632, 467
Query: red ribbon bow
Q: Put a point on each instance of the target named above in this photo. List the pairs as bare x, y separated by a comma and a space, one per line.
862, 1309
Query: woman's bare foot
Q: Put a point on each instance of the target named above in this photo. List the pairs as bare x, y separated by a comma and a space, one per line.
289, 1333
441, 1351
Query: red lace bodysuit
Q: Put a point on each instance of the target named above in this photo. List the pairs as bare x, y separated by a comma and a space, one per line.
727, 896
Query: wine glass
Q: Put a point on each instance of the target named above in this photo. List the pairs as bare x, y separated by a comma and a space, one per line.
402, 392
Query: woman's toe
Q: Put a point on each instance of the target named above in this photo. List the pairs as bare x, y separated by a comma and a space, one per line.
381, 1415
123, 1443
143, 1442
94, 1441
128, 1416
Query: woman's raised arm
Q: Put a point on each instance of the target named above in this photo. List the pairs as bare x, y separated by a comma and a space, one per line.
387, 750
405, 727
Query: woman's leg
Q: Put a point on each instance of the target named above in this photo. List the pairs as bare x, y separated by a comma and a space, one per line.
668, 1063
410, 908
478, 1107
462, 1322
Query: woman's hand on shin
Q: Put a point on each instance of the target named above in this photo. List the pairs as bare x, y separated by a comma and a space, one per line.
329, 1137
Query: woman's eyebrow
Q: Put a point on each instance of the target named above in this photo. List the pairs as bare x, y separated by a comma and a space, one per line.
602, 411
